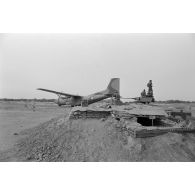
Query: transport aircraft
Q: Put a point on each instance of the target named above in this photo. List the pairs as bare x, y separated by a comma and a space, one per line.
112, 91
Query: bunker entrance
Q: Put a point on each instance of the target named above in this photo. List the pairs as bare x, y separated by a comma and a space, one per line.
145, 121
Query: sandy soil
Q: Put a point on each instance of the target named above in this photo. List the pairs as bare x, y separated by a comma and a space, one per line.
60, 139
17, 116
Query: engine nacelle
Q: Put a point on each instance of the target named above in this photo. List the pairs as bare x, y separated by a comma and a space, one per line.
63, 101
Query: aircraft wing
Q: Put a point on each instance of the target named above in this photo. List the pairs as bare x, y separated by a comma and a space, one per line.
59, 93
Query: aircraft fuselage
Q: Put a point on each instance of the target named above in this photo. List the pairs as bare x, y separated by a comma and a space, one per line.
77, 101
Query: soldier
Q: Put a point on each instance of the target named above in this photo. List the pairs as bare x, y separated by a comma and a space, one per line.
143, 93
150, 90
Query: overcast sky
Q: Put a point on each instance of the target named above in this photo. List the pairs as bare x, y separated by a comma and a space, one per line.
84, 63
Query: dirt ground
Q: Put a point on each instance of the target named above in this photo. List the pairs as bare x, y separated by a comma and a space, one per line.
17, 116
46, 134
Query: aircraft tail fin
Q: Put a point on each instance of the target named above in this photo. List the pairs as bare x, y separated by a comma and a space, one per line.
114, 86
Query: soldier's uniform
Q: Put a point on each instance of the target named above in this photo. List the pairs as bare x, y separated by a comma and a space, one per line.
150, 90
143, 93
